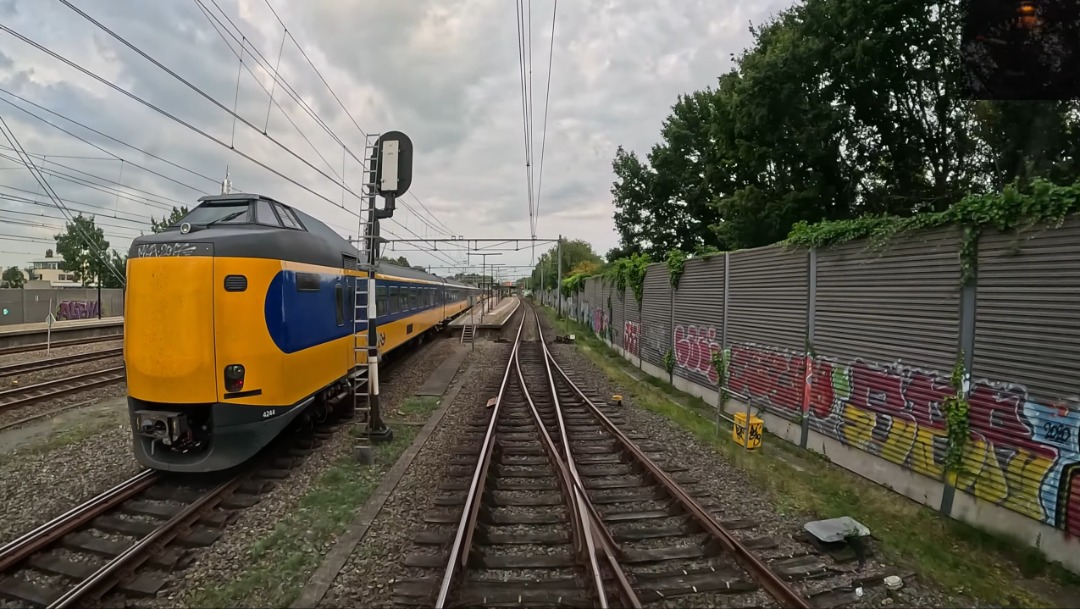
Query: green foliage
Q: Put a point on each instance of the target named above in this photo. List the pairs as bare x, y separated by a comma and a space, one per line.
956, 408
630, 272
574, 284
669, 362
1011, 209
577, 256
160, 225
676, 261
12, 278
838, 109
720, 360
400, 261
85, 251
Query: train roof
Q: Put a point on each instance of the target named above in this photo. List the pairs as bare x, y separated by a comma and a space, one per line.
313, 242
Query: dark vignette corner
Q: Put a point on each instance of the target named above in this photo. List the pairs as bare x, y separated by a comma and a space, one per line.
1021, 49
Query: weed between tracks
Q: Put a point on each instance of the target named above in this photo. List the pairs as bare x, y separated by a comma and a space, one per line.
280, 563
961, 559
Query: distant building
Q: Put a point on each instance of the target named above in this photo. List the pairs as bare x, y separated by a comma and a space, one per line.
46, 273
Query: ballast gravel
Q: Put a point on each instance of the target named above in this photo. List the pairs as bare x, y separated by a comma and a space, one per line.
367, 579
227, 558
39, 486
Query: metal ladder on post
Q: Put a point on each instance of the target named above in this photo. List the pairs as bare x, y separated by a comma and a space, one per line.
468, 333
360, 375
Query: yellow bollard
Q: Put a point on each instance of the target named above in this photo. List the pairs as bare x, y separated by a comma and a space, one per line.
738, 431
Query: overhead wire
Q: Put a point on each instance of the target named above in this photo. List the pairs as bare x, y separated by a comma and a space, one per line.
40, 178
543, 131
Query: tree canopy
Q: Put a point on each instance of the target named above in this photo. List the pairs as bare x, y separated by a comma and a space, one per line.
577, 256
839, 109
12, 278
86, 253
158, 226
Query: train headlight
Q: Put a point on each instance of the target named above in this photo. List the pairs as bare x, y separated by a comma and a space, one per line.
234, 377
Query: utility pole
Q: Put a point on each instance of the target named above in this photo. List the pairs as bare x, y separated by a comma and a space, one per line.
558, 282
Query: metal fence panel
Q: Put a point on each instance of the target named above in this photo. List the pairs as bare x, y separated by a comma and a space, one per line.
886, 325
1024, 411
617, 318
767, 304
655, 333
699, 319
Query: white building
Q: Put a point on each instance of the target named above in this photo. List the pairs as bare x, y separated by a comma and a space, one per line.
46, 273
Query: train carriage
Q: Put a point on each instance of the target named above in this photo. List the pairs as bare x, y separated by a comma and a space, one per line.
239, 318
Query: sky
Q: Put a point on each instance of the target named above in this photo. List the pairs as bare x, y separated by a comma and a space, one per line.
445, 72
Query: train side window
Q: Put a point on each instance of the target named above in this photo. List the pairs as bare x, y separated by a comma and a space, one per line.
264, 214
414, 301
339, 296
393, 307
381, 301
350, 299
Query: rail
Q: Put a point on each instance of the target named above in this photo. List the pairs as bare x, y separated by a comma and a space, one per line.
459, 551
773, 584
57, 362
21, 548
56, 344
21, 396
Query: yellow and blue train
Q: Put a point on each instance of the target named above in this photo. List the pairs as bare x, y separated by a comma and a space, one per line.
239, 318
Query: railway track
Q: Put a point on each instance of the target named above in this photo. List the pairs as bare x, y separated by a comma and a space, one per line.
21, 396
549, 503
130, 538
57, 362
56, 344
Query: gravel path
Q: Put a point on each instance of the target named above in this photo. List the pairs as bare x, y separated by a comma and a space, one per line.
32, 356
719, 477
225, 560
367, 578
37, 487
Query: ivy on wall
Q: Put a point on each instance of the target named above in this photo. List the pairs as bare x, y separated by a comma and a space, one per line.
956, 409
630, 272
1008, 210
676, 262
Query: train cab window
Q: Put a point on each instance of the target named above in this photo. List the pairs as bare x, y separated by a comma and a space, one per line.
339, 296
393, 306
287, 218
381, 301
264, 214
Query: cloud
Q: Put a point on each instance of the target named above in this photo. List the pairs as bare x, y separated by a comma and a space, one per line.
445, 72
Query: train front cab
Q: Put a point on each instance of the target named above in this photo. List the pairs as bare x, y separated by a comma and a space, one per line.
208, 386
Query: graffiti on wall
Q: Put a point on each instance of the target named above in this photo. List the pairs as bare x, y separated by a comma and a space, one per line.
694, 349
632, 337
600, 321
1022, 455
78, 309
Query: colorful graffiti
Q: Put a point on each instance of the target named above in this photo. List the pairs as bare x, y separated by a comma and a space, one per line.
694, 349
600, 321
632, 337
1021, 455
769, 375
78, 309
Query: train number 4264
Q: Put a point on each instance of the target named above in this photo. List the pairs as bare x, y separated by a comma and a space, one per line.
269, 413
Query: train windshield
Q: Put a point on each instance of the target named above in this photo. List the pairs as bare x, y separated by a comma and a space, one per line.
219, 213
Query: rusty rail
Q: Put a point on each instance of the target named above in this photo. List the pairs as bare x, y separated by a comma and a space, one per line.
459, 551
20, 396
18, 550
111, 573
57, 344
57, 362
770, 581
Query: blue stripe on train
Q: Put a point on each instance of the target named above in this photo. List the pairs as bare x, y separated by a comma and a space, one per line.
299, 320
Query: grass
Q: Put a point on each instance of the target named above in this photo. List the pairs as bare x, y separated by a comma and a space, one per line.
420, 405
962, 560
66, 429
279, 564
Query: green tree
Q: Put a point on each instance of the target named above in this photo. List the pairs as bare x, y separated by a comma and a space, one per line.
116, 276
574, 253
158, 226
12, 278
400, 261
84, 249
838, 109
